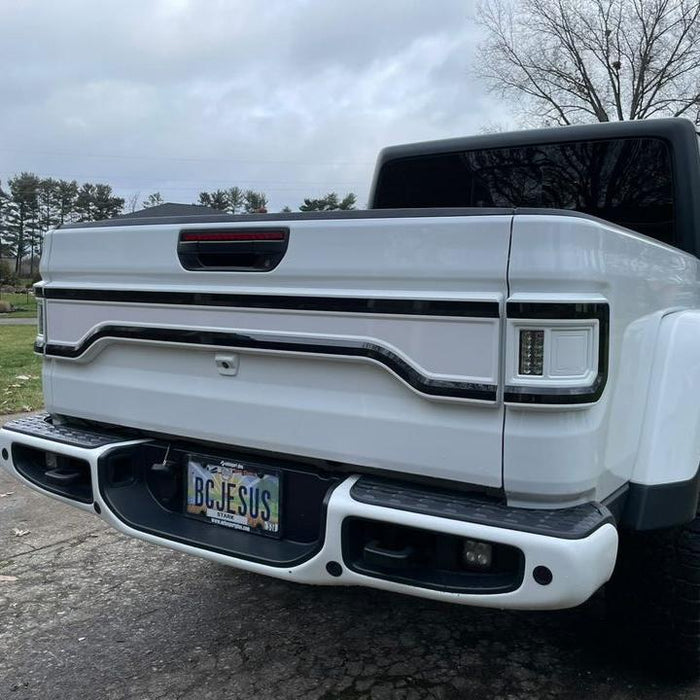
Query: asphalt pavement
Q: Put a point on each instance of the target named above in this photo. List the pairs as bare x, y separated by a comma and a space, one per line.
88, 613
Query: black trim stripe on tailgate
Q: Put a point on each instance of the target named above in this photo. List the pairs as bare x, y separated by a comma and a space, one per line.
342, 348
347, 305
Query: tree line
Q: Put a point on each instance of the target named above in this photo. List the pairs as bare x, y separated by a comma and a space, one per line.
234, 200
30, 206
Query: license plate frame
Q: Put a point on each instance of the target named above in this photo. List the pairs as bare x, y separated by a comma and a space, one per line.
223, 472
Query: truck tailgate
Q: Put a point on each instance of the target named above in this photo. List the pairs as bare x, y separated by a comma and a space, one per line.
373, 342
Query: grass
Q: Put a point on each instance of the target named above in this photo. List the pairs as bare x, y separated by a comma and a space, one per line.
20, 370
25, 302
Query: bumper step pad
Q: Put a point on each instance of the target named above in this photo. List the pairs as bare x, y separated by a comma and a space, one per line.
565, 523
42, 426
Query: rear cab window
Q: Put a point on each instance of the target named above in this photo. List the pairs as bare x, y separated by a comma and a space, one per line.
627, 181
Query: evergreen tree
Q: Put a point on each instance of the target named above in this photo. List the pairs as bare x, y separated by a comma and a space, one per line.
83, 202
255, 202
329, 203
106, 204
348, 202
22, 215
218, 199
236, 199
67, 194
4, 205
48, 203
153, 200
96, 202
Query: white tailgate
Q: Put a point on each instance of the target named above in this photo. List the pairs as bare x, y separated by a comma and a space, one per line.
403, 375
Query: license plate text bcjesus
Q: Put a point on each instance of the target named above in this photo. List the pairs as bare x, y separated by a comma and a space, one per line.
233, 494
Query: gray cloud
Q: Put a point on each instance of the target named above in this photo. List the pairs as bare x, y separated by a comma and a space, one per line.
291, 97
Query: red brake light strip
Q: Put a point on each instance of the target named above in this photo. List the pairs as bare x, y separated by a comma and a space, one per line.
234, 236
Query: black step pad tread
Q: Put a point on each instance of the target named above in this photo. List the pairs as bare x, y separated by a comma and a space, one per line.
40, 425
566, 523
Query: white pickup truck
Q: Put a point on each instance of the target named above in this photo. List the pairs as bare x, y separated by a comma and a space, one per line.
485, 389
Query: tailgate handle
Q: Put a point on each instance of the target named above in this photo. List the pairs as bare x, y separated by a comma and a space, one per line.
243, 249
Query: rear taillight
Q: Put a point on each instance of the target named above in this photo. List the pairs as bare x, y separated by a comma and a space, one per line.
40, 341
559, 352
40, 317
556, 352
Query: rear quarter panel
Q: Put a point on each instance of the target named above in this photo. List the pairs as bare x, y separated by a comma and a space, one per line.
569, 456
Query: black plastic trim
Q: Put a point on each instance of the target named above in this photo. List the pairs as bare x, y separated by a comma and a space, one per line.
572, 523
345, 305
346, 348
556, 310
242, 545
245, 255
567, 311
661, 505
30, 462
615, 502
416, 213
42, 425
356, 214
431, 559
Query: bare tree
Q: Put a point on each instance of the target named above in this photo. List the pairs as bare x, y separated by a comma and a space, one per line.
569, 61
133, 202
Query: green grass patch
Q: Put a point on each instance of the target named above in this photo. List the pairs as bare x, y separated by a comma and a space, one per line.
20, 370
25, 303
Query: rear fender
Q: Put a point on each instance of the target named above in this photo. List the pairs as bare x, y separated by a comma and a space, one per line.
664, 484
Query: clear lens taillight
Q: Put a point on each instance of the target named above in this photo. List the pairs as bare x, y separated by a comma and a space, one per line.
531, 361
40, 317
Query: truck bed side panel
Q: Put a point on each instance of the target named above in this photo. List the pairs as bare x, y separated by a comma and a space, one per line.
587, 452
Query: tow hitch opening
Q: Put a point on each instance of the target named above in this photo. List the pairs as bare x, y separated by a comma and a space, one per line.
65, 476
430, 559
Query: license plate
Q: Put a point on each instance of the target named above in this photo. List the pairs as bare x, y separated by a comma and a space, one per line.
233, 494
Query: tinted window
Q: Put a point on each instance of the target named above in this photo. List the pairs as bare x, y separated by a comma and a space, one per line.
626, 181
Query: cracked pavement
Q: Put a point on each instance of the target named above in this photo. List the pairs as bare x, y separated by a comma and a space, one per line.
93, 614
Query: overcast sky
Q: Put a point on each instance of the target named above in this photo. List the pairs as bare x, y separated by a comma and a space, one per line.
292, 97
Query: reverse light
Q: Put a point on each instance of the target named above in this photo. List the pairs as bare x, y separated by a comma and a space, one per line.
477, 554
531, 359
